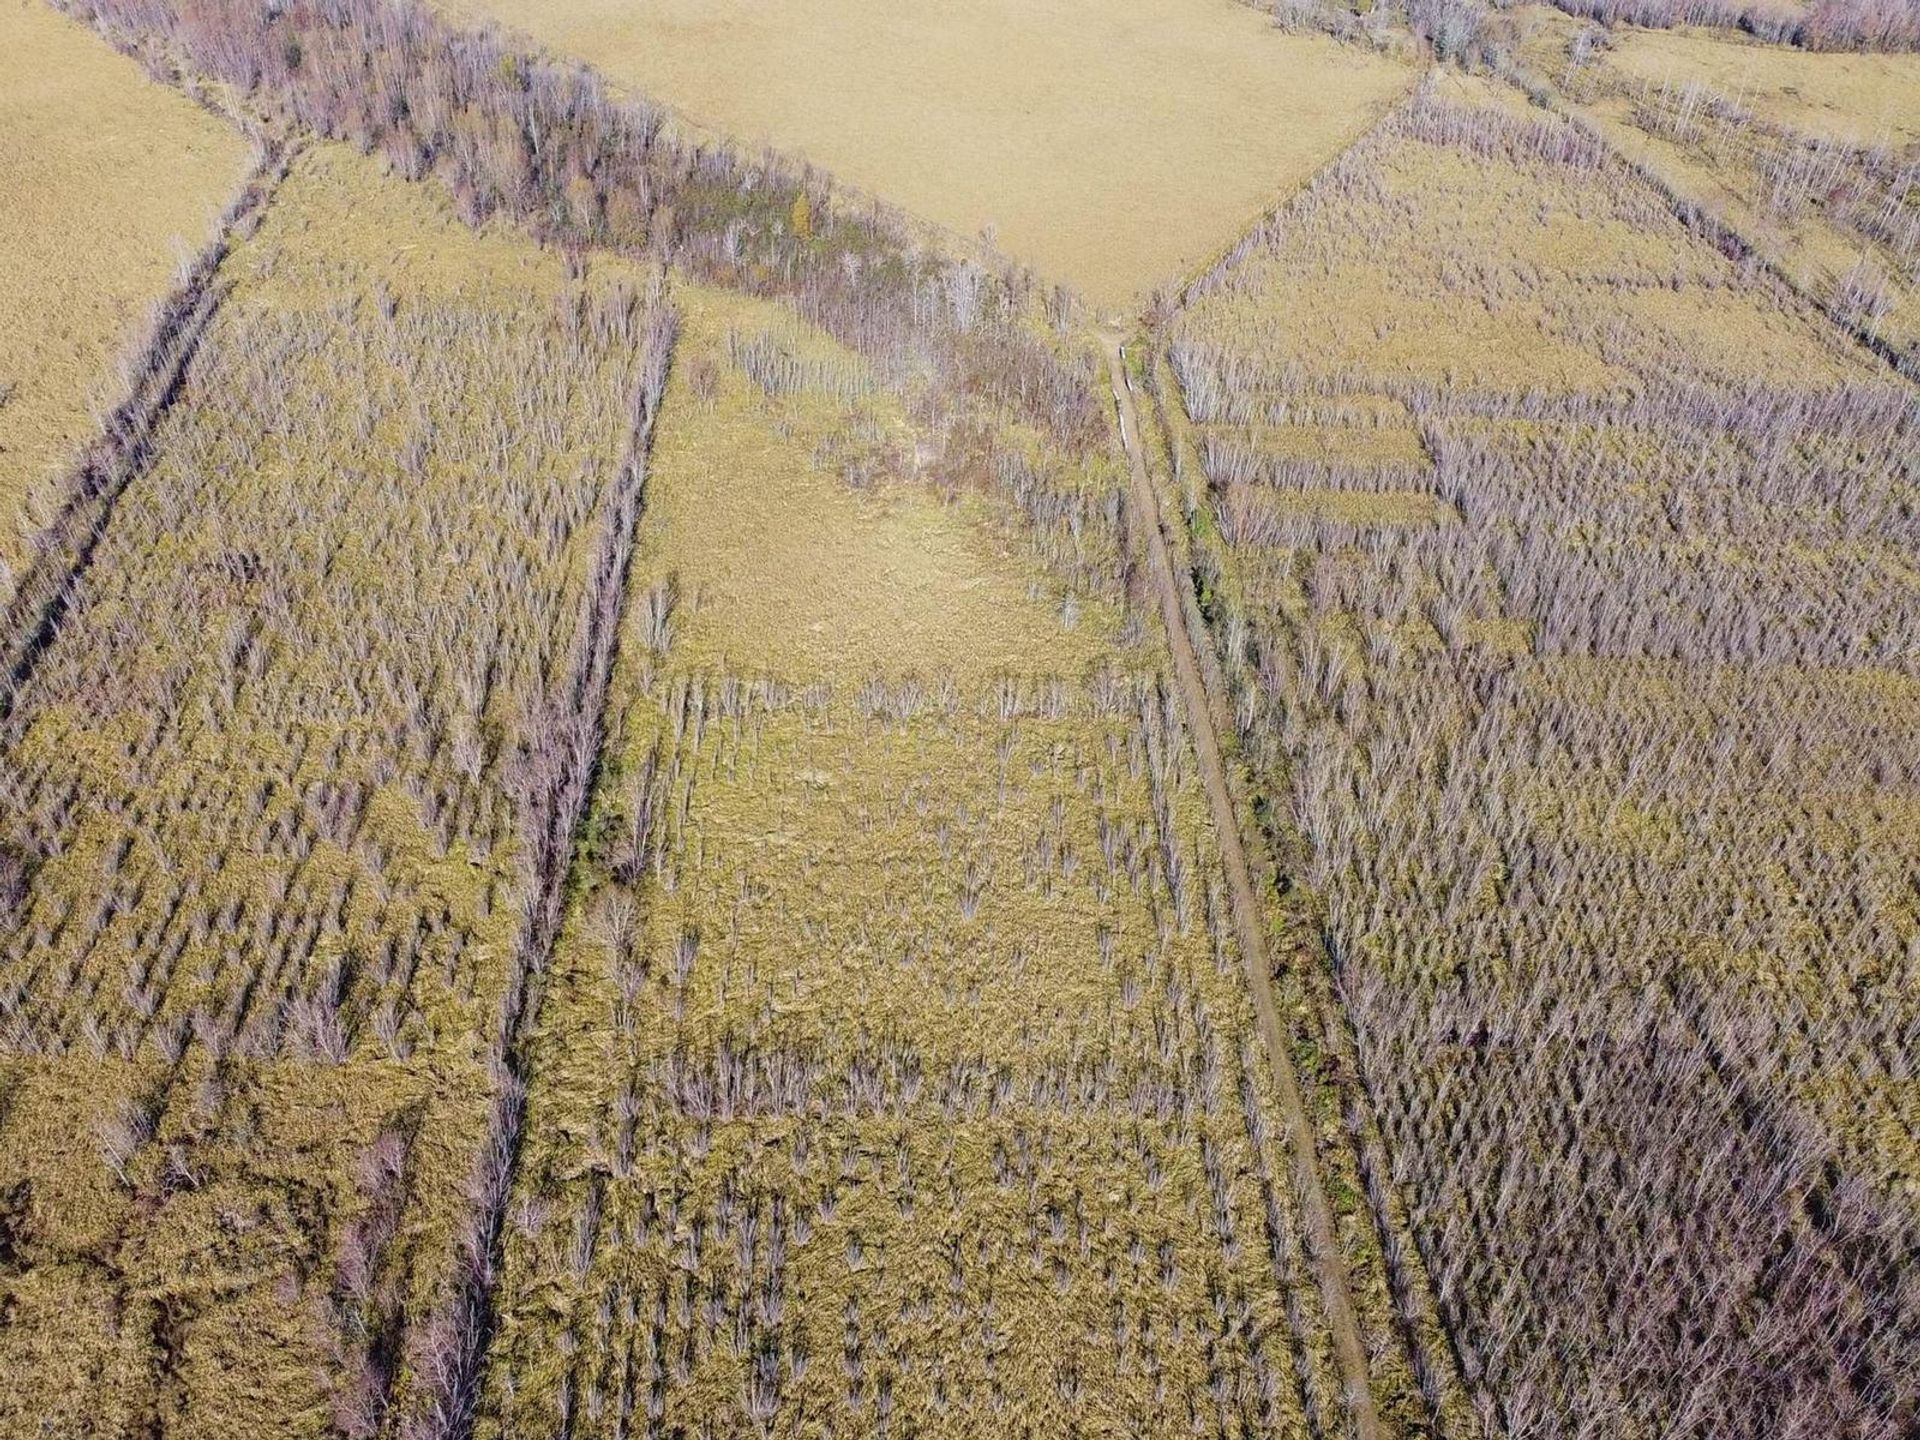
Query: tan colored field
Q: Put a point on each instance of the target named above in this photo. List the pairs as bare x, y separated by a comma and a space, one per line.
1111, 148
1860, 99
810, 573
898, 1072
1441, 266
108, 180
325, 608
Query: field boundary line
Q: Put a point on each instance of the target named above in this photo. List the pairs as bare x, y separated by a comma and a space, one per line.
451, 1349
1278, 856
1179, 290
1713, 227
1205, 713
120, 454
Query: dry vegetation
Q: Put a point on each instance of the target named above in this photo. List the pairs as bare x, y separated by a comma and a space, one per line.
897, 1073
1811, 24
1862, 100
275, 806
1593, 731
599, 833
405, 876
1809, 162
100, 212
1114, 150
539, 143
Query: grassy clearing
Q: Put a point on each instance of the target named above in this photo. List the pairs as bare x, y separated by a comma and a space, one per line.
1808, 159
269, 802
829, 565
1350, 433
1604, 783
895, 1070
1860, 100
111, 182
1112, 151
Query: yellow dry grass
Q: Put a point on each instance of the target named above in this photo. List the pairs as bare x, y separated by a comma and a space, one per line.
324, 468
1487, 275
108, 179
1359, 444
1366, 507
342, 226
811, 576
978, 911
1112, 149
102, 1266
1859, 99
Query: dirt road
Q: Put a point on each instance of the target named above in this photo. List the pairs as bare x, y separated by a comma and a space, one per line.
1205, 712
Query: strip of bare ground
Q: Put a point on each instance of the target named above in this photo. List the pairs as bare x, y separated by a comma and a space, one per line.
1438, 1369
449, 1352
1206, 711
125, 445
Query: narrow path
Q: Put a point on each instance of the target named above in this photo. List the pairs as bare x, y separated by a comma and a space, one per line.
1205, 712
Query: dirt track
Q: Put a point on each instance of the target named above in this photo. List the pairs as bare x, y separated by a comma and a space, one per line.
1206, 712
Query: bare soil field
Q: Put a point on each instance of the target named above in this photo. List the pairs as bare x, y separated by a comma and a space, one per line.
110, 182
1111, 150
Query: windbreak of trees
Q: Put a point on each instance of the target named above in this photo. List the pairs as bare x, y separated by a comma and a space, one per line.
542, 144
1477, 34
1825, 25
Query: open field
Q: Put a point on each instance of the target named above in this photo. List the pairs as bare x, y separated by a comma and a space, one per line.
110, 182
875, 576
1601, 771
1810, 161
1861, 100
1110, 150
640, 797
268, 803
